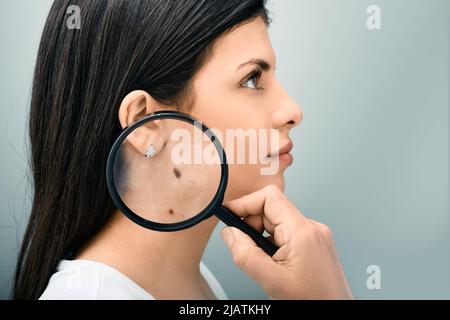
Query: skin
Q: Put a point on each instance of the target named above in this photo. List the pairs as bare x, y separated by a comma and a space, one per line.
224, 99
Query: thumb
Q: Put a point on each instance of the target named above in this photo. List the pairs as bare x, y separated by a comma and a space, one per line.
248, 256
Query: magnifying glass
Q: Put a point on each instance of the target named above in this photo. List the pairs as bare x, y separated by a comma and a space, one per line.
168, 172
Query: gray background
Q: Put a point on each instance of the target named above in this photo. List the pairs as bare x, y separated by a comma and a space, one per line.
371, 156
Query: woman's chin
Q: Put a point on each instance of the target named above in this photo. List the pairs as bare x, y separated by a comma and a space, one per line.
238, 188
280, 182
277, 180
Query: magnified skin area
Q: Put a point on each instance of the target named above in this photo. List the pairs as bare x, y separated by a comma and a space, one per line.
158, 190
177, 172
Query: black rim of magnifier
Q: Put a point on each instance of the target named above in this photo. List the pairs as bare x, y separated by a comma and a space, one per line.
205, 213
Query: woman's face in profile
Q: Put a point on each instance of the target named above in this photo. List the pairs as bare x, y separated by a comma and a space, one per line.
237, 94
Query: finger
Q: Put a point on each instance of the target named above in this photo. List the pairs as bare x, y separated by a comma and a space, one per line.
248, 256
270, 202
256, 222
260, 223
268, 226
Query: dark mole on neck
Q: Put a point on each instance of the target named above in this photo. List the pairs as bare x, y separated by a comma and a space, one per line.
177, 173
170, 211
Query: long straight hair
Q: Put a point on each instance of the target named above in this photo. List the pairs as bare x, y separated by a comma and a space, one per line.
80, 79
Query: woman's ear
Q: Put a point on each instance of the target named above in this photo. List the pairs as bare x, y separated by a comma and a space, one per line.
150, 136
136, 105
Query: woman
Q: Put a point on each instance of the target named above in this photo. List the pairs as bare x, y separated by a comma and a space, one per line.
211, 59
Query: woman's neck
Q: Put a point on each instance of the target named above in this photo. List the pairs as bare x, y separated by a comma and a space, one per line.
165, 264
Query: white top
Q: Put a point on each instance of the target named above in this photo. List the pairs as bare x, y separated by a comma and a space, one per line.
91, 280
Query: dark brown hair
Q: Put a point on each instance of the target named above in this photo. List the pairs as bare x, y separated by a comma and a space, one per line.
80, 79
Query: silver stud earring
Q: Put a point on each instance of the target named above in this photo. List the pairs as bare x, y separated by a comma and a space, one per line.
150, 152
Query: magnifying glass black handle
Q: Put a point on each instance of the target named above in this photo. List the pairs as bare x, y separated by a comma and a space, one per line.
232, 220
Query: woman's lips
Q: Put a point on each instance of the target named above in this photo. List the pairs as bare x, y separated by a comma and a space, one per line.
286, 158
287, 148
284, 153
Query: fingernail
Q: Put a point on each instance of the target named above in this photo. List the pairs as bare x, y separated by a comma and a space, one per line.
228, 236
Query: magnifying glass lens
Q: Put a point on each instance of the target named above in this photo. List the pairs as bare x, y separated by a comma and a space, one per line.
167, 171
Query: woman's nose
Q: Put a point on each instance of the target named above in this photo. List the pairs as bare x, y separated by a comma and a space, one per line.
288, 114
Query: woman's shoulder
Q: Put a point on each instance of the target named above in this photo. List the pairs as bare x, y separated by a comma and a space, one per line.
91, 280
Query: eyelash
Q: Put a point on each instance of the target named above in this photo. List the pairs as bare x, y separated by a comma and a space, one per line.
255, 74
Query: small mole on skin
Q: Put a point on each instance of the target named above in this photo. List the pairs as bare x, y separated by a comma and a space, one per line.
171, 211
177, 173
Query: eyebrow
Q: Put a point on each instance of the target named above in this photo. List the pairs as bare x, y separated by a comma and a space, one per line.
263, 64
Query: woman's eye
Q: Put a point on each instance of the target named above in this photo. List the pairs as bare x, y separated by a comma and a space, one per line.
252, 81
